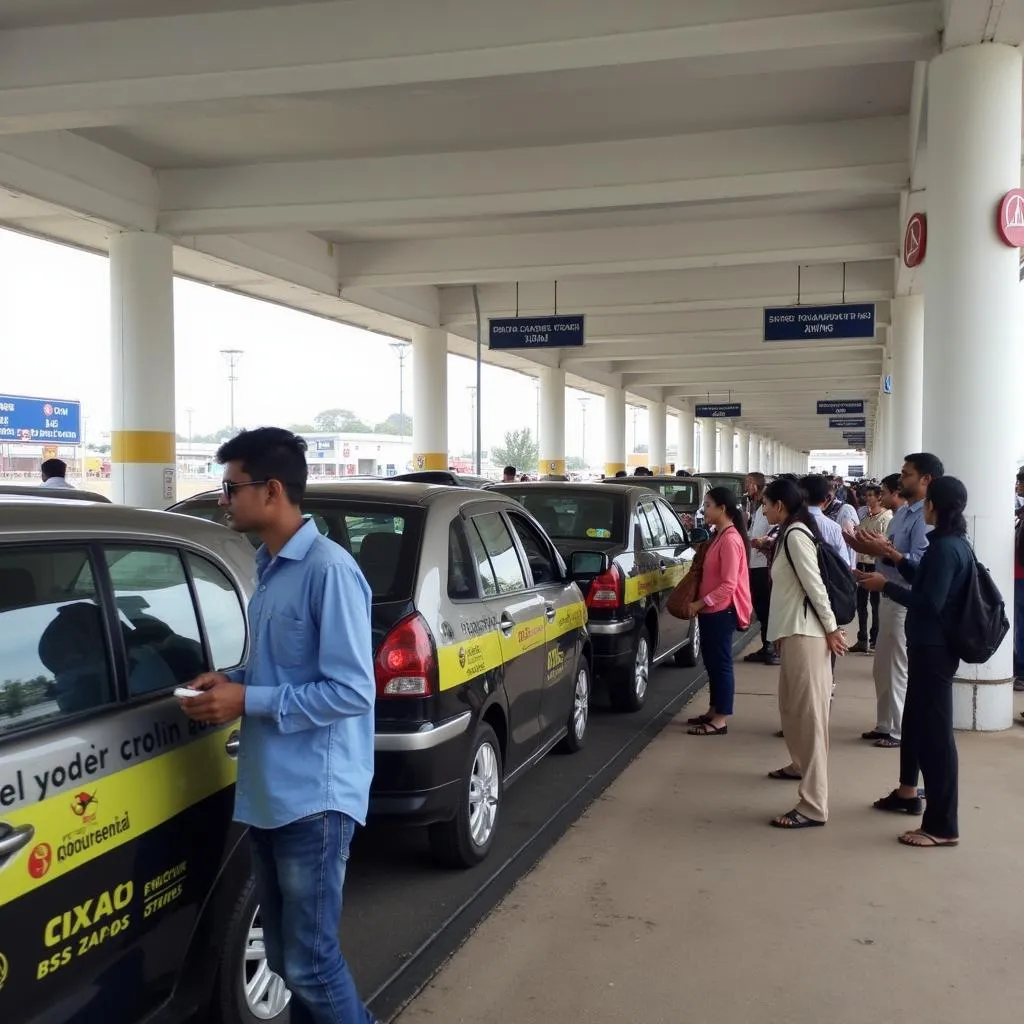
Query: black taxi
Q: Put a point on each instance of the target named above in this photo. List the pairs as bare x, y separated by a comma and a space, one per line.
642, 551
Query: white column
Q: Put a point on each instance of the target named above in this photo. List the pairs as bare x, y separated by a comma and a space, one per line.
972, 362
762, 454
883, 464
907, 397
753, 454
740, 460
708, 461
727, 452
656, 414
429, 398
552, 422
684, 437
614, 431
143, 463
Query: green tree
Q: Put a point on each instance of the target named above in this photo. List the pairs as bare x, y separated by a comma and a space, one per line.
14, 699
339, 421
575, 463
395, 424
519, 450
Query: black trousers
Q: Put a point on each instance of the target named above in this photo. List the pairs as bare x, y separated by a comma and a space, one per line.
760, 596
928, 744
862, 610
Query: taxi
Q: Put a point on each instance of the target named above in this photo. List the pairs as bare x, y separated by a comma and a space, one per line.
125, 887
482, 655
684, 493
628, 548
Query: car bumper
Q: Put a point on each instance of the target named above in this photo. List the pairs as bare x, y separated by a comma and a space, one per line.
612, 646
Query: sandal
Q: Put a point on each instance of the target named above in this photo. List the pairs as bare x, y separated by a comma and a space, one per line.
794, 819
781, 773
900, 804
707, 729
927, 841
874, 734
888, 743
700, 719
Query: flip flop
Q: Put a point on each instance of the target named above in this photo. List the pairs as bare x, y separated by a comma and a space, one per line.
887, 743
794, 820
781, 773
931, 843
707, 729
699, 720
874, 734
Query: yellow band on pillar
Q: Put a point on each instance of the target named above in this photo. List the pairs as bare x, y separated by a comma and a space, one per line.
154, 446
551, 467
611, 468
430, 460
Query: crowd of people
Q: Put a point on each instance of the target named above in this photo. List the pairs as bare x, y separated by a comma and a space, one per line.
902, 541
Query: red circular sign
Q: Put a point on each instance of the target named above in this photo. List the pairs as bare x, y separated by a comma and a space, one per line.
915, 240
39, 860
1010, 218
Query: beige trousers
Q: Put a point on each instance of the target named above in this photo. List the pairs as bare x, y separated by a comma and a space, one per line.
805, 686
890, 667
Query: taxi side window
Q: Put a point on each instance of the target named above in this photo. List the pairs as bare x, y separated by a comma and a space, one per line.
54, 659
461, 584
500, 549
659, 538
646, 533
157, 616
222, 611
483, 562
673, 528
542, 565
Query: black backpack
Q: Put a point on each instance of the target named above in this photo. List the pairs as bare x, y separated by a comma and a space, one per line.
981, 623
838, 580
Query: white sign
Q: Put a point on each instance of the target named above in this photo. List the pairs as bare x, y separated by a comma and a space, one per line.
169, 489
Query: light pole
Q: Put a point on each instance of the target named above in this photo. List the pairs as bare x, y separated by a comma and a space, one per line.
232, 355
188, 413
401, 349
472, 422
583, 429
636, 412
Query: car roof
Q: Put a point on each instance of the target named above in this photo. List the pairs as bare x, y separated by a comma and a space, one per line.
572, 486
52, 493
662, 478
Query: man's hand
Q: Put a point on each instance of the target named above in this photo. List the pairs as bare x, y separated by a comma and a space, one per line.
837, 642
873, 544
871, 581
220, 702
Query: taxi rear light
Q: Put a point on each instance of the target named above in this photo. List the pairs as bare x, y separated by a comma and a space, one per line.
406, 661
606, 589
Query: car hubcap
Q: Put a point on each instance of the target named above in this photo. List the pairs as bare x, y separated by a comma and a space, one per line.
483, 795
642, 668
581, 703
266, 994
695, 639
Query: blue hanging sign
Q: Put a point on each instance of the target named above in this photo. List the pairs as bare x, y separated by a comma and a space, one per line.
847, 422
512, 332
802, 323
855, 469
840, 406
887, 384
40, 420
717, 411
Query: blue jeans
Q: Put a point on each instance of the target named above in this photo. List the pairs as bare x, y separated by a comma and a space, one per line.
1018, 628
300, 870
716, 633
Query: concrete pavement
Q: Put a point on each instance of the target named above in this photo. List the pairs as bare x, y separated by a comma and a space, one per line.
672, 900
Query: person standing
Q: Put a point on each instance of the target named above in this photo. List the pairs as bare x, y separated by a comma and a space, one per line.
906, 536
934, 600
818, 494
802, 624
1018, 588
54, 473
306, 702
760, 573
875, 522
723, 605
508, 475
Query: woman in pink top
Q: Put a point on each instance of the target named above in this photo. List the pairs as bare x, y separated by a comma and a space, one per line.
723, 605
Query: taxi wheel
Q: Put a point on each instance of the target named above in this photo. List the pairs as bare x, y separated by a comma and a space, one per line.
629, 691
688, 656
248, 990
579, 711
466, 839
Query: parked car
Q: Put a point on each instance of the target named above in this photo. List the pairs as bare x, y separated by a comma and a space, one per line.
482, 656
60, 493
734, 481
630, 549
444, 476
684, 493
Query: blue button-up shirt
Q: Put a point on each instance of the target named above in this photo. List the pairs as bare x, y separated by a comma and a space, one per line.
909, 535
307, 733
832, 534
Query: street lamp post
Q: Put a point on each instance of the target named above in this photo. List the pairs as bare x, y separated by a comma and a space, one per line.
401, 349
583, 429
232, 355
472, 422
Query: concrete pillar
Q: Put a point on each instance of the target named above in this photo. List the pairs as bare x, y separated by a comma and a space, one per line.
753, 453
907, 399
883, 464
762, 454
430, 398
614, 431
708, 461
143, 463
972, 361
552, 422
656, 414
727, 451
684, 437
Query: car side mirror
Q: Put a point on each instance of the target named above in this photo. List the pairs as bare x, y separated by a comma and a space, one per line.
588, 564
699, 535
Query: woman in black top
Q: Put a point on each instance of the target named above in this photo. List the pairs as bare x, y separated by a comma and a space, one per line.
933, 603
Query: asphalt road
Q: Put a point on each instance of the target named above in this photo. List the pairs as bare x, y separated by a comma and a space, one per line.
404, 916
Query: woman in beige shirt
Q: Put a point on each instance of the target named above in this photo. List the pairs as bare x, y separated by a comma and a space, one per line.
806, 634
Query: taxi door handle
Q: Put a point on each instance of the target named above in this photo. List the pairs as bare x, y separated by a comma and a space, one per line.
505, 624
13, 839
549, 611
662, 566
234, 741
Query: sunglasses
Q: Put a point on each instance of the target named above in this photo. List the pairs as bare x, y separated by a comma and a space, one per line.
229, 486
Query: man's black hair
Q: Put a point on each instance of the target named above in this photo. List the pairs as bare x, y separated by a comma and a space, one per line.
509, 469
926, 464
874, 489
1020, 473
54, 467
270, 453
816, 488
620, 473
892, 483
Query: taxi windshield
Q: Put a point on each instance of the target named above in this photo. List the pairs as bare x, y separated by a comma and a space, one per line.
685, 492
572, 516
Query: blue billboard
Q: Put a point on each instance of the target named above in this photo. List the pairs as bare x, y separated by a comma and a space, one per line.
840, 406
536, 332
40, 420
799, 323
718, 411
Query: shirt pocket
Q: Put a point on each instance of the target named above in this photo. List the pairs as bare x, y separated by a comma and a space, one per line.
286, 640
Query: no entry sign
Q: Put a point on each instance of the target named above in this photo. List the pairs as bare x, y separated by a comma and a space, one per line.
915, 240
1010, 218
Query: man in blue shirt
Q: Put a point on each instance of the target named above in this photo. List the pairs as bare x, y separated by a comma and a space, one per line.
306, 701
818, 491
906, 537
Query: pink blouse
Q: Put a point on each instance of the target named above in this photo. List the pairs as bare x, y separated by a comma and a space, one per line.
725, 581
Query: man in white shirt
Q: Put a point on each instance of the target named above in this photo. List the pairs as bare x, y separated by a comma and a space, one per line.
760, 572
54, 472
819, 495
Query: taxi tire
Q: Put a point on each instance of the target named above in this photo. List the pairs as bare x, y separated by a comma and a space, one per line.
688, 656
450, 841
572, 743
623, 687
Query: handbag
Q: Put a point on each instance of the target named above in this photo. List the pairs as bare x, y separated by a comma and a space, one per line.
686, 590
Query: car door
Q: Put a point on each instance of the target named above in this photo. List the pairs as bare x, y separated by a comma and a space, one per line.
678, 555
115, 811
565, 615
519, 613
664, 565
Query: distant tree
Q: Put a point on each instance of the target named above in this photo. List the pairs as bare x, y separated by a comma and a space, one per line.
575, 463
302, 428
395, 424
339, 421
14, 699
519, 450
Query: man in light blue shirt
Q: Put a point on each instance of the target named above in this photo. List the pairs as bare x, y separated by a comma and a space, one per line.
818, 492
306, 700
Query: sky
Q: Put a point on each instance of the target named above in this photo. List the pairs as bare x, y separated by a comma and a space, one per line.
55, 343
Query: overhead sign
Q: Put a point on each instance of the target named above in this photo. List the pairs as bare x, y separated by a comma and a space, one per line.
719, 411
801, 323
45, 420
887, 384
915, 241
857, 441
1010, 218
846, 422
855, 469
536, 332
840, 406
